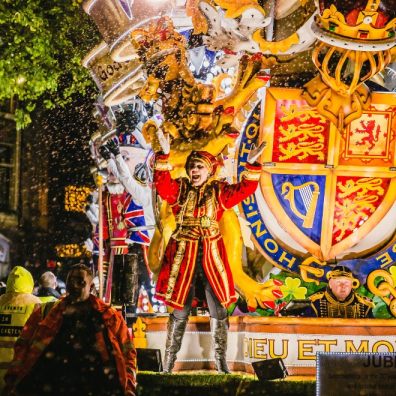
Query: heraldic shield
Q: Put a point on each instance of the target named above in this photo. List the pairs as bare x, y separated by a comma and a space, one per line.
327, 188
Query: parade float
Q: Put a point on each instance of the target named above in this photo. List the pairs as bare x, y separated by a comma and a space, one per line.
313, 79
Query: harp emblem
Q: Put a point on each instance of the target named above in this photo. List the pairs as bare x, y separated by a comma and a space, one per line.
309, 193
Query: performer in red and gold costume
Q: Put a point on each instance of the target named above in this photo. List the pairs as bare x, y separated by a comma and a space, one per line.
195, 255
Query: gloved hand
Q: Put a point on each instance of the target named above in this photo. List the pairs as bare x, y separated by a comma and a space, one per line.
113, 146
255, 152
157, 118
104, 152
163, 141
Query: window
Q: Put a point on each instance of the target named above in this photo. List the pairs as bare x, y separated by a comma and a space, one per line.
6, 171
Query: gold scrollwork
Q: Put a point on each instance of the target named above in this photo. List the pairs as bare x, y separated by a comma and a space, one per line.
305, 269
384, 288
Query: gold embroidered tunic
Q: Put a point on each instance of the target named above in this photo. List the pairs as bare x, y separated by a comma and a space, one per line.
197, 211
325, 305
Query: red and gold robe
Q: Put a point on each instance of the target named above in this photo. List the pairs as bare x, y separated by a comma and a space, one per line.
197, 211
115, 229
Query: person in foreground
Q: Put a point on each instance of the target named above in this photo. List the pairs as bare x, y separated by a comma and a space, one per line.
195, 255
339, 299
81, 347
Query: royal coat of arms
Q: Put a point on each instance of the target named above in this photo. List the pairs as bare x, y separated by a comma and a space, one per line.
325, 194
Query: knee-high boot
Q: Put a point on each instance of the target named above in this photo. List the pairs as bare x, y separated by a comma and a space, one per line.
116, 280
174, 337
130, 292
219, 329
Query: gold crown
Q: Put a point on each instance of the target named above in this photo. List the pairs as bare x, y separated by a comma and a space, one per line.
365, 26
158, 39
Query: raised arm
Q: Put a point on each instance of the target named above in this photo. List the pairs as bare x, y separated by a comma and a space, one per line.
232, 194
141, 194
167, 188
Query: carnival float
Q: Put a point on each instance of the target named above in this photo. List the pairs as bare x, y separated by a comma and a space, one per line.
312, 79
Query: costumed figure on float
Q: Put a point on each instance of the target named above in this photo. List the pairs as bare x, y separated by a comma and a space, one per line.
196, 252
195, 118
340, 299
126, 208
91, 210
